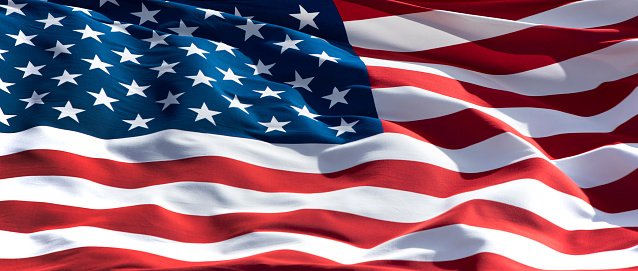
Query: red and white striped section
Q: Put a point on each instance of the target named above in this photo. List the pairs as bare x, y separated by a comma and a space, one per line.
494, 157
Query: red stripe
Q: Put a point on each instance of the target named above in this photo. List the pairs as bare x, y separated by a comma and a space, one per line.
518, 51
351, 10
152, 220
391, 174
587, 103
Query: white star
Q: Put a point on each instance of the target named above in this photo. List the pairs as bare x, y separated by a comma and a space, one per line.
34, 99
205, 113
224, 47
83, 10
344, 127
194, 50
146, 15
157, 39
269, 92
1, 52
13, 8
101, 98
102, 2
138, 122
134, 88
87, 32
164, 68
305, 18
230, 76
127, 56
68, 111
96, 63
184, 30
274, 125
300, 82
50, 20
5, 118
60, 48
170, 99
288, 44
4, 85
337, 97
117, 26
30, 69
66, 77
305, 112
323, 57
237, 104
200, 78
210, 12
22, 38
239, 14
261, 68
251, 29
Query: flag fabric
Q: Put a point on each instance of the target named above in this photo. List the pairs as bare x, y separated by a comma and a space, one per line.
318, 135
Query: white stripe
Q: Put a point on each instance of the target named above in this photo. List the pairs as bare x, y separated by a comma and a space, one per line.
426, 30
207, 199
587, 14
411, 103
440, 244
577, 74
493, 153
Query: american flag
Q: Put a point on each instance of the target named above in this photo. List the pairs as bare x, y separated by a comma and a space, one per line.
318, 135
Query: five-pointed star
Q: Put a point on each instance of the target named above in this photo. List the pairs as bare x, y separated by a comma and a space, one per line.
60, 48
13, 8
210, 12
200, 78
305, 112
4, 85
300, 82
305, 18
66, 77
101, 98
261, 68
34, 99
164, 68
170, 99
146, 15
83, 10
323, 57
268, 92
183, 30
22, 38
157, 39
194, 50
288, 44
96, 63
230, 76
117, 26
102, 2
205, 113
252, 29
134, 88
337, 97
1, 52
239, 14
237, 104
274, 125
87, 32
30, 69
344, 127
224, 47
138, 122
5, 118
127, 56
50, 20
68, 111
